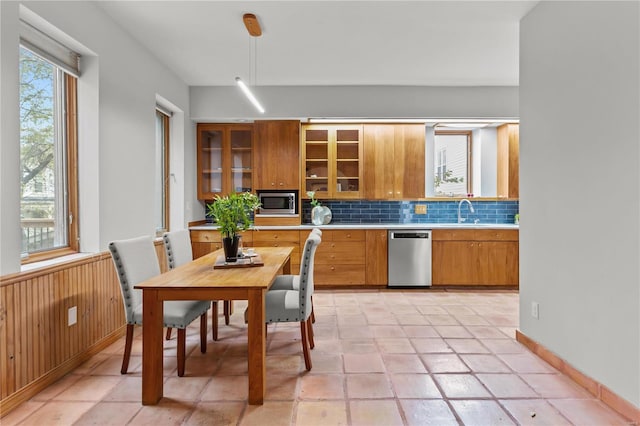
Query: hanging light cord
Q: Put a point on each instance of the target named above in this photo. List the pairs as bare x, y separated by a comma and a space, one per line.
253, 70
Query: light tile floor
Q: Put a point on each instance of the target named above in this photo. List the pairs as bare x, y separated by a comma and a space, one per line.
381, 358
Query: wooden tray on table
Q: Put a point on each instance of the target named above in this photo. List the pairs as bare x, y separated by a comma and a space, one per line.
243, 262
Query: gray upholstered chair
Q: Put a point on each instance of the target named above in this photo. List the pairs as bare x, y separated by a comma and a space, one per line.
136, 261
295, 305
177, 248
292, 282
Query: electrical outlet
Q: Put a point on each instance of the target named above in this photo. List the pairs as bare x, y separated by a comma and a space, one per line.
72, 316
535, 310
421, 209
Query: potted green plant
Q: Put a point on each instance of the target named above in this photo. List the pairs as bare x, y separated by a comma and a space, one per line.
232, 214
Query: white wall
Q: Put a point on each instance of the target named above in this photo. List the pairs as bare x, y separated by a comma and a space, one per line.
580, 186
227, 103
489, 155
9, 117
117, 128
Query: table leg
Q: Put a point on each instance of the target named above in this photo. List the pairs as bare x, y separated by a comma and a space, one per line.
257, 346
286, 268
151, 347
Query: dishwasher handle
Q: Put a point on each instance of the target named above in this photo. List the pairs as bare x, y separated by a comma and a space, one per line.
410, 235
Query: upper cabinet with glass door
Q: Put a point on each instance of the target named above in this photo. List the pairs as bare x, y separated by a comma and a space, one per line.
332, 160
224, 159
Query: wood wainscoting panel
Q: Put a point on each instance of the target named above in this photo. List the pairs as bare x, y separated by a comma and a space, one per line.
37, 346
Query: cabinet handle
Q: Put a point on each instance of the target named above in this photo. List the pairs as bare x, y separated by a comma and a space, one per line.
333, 245
333, 268
348, 235
273, 184
281, 184
333, 256
275, 236
275, 245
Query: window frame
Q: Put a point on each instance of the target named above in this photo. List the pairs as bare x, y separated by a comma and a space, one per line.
166, 123
468, 134
71, 145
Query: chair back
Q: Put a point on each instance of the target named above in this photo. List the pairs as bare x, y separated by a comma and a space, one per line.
306, 274
177, 247
135, 260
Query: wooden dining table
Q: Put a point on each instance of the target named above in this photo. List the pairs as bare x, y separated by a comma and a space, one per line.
198, 280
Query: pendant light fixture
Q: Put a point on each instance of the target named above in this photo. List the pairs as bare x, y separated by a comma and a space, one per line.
253, 27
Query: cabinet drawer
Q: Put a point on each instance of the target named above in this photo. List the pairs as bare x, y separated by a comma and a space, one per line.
200, 249
452, 234
216, 237
475, 235
205, 236
277, 236
343, 253
497, 235
338, 274
344, 235
295, 254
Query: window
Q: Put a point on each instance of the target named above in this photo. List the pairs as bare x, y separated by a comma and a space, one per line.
452, 163
48, 152
161, 199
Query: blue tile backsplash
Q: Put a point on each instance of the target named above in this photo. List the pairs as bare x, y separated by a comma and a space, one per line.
362, 211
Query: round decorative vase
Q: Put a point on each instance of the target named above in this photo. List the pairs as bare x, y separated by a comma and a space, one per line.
320, 215
316, 215
230, 245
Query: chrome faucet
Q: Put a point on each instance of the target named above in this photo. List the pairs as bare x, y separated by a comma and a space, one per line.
471, 209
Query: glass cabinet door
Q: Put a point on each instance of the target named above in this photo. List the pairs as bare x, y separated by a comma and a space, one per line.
332, 160
241, 167
211, 142
316, 174
224, 159
348, 156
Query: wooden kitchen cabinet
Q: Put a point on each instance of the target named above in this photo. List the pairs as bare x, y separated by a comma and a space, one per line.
280, 238
224, 154
203, 242
206, 241
475, 257
341, 258
277, 154
394, 158
508, 171
332, 160
376, 272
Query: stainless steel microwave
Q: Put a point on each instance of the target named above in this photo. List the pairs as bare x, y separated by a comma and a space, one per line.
278, 202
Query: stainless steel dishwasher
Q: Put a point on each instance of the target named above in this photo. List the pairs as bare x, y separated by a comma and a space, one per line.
409, 258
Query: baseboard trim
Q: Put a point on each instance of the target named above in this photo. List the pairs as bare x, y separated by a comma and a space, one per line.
38, 385
597, 389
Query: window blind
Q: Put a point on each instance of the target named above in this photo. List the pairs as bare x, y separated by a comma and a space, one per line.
164, 110
50, 49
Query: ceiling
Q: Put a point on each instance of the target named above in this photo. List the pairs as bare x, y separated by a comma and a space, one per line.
330, 42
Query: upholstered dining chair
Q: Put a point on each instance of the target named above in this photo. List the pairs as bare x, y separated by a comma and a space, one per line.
177, 248
135, 260
292, 282
295, 305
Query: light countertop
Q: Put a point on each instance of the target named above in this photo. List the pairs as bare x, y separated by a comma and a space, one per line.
308, 226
